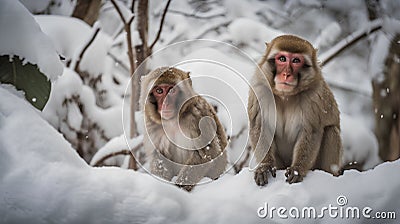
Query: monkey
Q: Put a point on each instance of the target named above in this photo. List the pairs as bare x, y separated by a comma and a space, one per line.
307, 128
184, 137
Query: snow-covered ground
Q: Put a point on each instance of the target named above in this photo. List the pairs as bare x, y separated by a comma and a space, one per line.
44, 180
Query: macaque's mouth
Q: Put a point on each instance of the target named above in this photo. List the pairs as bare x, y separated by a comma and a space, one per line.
167, 111
286, 84
167, 114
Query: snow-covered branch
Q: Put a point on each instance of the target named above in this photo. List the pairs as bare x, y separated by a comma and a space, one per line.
117, 146
76, 61
350, 40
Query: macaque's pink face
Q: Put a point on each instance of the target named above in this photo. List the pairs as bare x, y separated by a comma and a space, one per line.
288, 66
166, 97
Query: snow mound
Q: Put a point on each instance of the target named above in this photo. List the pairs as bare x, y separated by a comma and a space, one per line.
20, 35
71, 35
43, 180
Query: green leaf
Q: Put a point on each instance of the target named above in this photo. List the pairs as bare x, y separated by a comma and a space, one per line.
27, 78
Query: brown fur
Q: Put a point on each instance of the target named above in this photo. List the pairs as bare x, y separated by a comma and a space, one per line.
307, 134
168, 159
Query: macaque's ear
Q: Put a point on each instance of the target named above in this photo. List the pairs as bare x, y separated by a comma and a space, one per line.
188, 77
266, 44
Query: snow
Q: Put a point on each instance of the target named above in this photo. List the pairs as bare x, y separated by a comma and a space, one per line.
70, 85
43, 180
359, 143
58, 7
21, 35
365, 28
36, 6
240, 29
328, 35
63, 33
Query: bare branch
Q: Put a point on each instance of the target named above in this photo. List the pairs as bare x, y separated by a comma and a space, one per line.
233, 137
118, 11
93, 36
161, 25
122, 152
350, 40
127, 27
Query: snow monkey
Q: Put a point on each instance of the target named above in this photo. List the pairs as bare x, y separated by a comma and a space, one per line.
307, 134
184, 137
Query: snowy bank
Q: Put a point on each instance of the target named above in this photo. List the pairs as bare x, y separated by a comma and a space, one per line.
43, 180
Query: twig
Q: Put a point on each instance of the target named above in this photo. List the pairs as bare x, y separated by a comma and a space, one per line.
197, 16
161, 25
349, 41
118, 61
127, 27
122, 152
118, 11
239, 167
238, 134
78, 60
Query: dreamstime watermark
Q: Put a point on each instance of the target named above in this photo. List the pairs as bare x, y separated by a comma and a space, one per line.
336, 211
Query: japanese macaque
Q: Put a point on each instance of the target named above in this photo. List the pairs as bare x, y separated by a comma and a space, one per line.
307, 131
184, 137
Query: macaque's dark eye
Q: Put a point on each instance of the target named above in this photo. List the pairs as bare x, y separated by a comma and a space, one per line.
296, 60
282, 58
159, 91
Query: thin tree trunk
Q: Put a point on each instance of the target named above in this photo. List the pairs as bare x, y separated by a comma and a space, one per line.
87, 10
386, 100
142, 52
374, 9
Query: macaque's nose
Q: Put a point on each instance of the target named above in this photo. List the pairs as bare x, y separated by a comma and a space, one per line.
286, 75
165, 102
287, 72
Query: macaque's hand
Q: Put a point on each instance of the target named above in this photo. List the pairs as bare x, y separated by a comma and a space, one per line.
293, 175
261, 173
